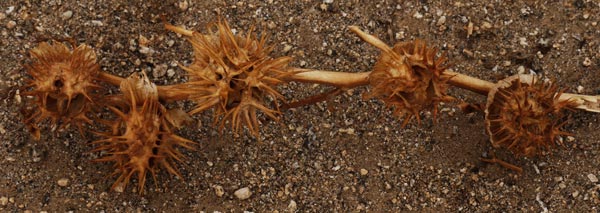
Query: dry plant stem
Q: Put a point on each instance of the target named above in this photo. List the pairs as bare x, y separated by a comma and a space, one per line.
349, 80
337, 79
164, 92
469, 83
584, 102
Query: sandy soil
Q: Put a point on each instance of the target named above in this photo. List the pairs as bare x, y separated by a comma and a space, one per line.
311, 162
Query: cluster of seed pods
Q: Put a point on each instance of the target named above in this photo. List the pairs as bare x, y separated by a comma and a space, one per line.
234, 76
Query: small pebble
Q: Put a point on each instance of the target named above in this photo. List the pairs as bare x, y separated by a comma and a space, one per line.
146, 51
364, 172
592, 178
271, 25
97, 23
170, 73
520, 69
3, 201
587, 62
441, 21
67, 15
486, 25
418, 15
160, 70
11, 24
243, 193
183, 6
580, 89
219, 191
63, 182
287, 48
327, 1
2, 16
292, 206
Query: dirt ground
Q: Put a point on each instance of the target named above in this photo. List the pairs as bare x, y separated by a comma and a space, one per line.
345, 160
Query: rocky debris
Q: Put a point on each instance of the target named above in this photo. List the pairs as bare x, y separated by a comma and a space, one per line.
67, 15
219, 190
592, 178
63, 182
243, 193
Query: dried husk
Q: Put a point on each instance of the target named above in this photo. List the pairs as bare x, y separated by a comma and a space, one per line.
233, 75
525, 115
141, 140
410, 79
62, 84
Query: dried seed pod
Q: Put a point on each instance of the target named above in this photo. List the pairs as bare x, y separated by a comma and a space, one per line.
141, 140
62, 85
524, 115
408, 77
233, 74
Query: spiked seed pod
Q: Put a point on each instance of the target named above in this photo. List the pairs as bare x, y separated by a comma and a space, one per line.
141, 140
234, 75
62, 85
407, 77
524, 115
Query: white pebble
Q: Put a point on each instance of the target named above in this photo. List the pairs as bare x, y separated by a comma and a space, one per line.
418, 15
579, 89
521, 69
592, 178
97, 23
170, 73
327, 1
292, 206
364, 172
67, 15
441, 21
287, 48
183, 5
4, 201
243, 193
219, 190
587, 62
63, 182
10, 9
523, 41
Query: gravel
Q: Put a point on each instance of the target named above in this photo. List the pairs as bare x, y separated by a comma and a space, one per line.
243, 193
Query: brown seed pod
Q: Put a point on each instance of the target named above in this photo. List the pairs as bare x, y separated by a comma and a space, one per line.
233, 74
141, 140
524, 115
409, 78
62, 85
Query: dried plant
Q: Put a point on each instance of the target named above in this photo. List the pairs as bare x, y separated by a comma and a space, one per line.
234, 75
141, 139
62, 85
408, 77
524, 115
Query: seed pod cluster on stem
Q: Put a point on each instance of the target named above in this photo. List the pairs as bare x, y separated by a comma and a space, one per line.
62, 86
141, 139
234, 75
408, 77
524, 115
